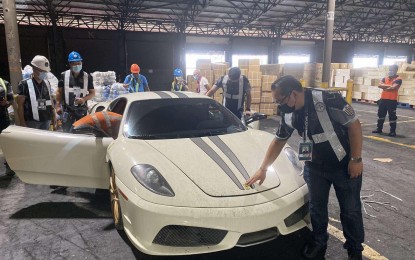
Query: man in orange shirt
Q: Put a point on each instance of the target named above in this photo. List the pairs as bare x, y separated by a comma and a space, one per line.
389, 100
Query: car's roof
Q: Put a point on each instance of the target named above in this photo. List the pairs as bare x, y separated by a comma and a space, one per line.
161, 95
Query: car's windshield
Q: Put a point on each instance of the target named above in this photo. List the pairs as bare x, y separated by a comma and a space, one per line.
179, 118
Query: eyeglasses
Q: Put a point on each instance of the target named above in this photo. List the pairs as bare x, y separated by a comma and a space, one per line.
284, 98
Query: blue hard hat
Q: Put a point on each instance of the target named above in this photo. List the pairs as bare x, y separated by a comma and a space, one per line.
178, 73
74, 56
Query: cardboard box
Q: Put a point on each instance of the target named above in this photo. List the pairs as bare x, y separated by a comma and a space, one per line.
244, 72
342, 72
255, 108
375, 82
254, 68
208, 74
268, 108
267, 81
357, 95
367, 81
203, 64
266, 97
256, 95
254, 62
255, 79
358, 80
272, 69
405, 99
191, 83
344, 65
243, 62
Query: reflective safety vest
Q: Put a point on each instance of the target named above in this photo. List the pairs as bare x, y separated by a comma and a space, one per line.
174, 84
390, 94
4, 87
70, 89
34, 100
228, 95
105, 120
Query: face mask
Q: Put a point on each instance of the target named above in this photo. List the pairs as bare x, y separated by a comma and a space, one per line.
391, 73
286, 109
76, 68
42, 75
195, 77
179, 78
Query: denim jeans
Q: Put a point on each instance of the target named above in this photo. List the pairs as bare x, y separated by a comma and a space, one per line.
347, 190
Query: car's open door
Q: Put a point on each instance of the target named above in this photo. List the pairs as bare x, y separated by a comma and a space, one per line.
54, 158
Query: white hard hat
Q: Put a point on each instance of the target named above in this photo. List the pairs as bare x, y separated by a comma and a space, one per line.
41, 62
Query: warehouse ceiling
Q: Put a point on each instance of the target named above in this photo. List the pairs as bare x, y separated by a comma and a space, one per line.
355, 20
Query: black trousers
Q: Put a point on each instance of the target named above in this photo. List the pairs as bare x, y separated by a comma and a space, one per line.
387, 106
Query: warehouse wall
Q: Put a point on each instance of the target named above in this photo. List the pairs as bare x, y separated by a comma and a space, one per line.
159, 53
156, 53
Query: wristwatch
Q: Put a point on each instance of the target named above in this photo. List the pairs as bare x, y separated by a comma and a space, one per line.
356, 159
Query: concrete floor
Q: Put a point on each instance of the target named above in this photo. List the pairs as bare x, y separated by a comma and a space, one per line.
38, 223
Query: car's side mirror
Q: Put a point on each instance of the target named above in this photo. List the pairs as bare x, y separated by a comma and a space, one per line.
90, 130
255, 117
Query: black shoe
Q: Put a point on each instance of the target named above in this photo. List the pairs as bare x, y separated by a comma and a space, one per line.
377, 131
355, 255
313, 250
392, 134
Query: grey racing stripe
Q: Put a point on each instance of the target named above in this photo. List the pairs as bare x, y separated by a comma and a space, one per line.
162, 94
180, 94
229, 153
216, 158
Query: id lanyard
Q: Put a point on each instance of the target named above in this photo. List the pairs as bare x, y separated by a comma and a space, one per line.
305, 149
137, 83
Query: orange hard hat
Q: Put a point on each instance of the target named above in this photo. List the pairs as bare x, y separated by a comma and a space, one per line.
135, 68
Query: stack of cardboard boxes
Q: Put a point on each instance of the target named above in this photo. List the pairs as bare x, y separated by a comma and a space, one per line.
267, 105
251, 69
366, 82
341, 76
407, 89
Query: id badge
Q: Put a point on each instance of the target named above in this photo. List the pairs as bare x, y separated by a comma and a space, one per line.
305, 151
77, 94
41, 104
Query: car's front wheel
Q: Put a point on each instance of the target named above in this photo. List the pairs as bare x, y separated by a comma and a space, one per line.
115, 202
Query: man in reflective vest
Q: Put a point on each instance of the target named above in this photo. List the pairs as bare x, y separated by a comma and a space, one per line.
136, 82
75, 88
108, 122
389, 100
6, 99
332, 149
178, 84
34, 101
236, 88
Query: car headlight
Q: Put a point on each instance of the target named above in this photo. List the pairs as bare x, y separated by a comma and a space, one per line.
150, 178
293, 157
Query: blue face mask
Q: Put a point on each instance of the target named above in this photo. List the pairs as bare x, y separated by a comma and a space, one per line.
391, 73
76, 68
42, 75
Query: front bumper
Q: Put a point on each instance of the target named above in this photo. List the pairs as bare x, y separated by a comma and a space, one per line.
144, 220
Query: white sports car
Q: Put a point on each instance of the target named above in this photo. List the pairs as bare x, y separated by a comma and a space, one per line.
176, 173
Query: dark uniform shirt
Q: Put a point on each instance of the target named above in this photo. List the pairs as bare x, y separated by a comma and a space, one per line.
5, 94
74, 82
42, 92
233, 89
341, 116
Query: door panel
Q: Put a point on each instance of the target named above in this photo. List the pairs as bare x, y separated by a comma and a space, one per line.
53, 158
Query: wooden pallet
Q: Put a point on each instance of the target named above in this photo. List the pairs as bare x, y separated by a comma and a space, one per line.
404, 105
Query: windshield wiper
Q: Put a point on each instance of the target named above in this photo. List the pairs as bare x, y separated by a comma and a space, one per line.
146, 137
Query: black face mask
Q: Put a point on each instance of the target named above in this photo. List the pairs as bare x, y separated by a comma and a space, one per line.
286, 109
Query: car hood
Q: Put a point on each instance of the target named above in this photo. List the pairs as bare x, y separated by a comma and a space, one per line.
220, 165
